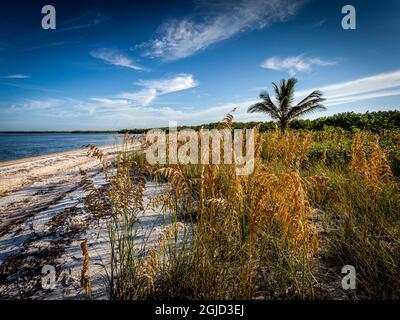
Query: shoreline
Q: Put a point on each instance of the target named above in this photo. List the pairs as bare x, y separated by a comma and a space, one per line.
47, 168
44, 221
27, 148
6, 163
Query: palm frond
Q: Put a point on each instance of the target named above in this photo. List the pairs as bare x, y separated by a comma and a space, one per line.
284, 94
284, 111
312, 96
266, 106
310, 109
310, 103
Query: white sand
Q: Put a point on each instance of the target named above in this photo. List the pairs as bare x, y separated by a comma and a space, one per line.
43, 222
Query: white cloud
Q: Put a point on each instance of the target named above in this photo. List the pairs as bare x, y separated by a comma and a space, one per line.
115, 58
111, 102
293, 65
151, 89
164, 86
142, 97
16, 76
87, 20
376, 86
37, 104
224, 19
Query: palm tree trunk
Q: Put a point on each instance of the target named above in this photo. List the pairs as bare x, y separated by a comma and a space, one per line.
283, 128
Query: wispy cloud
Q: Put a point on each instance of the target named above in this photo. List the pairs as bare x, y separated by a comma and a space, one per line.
22, 85
36, 104
294, 65
142, 97
154, 88
49, 45
16, 76
376, 86
314, 25
55, 108
120, 105
116, 58
163, 86
111, 102
220, 21
87, 20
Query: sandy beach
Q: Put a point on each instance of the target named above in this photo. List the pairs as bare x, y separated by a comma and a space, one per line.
32, 183
43, 222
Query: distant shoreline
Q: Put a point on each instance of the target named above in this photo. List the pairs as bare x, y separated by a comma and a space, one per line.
56, 166
64, 132
15, 146
28, 159
48, 155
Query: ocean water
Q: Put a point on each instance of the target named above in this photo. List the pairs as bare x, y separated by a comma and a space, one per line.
21, 145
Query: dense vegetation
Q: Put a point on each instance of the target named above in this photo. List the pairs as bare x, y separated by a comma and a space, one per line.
315, 202
350, 121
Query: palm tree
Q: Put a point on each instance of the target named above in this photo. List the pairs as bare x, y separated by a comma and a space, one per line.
285, 112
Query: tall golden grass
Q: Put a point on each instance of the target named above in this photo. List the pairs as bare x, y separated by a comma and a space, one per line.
264, 235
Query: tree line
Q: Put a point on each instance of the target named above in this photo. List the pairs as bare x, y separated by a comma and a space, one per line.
350, 121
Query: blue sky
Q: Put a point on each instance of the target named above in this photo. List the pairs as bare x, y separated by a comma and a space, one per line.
125, 64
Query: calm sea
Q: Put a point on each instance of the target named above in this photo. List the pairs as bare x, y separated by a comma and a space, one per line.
20, 145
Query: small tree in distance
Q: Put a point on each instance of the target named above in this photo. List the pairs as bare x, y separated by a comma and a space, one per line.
284, 111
